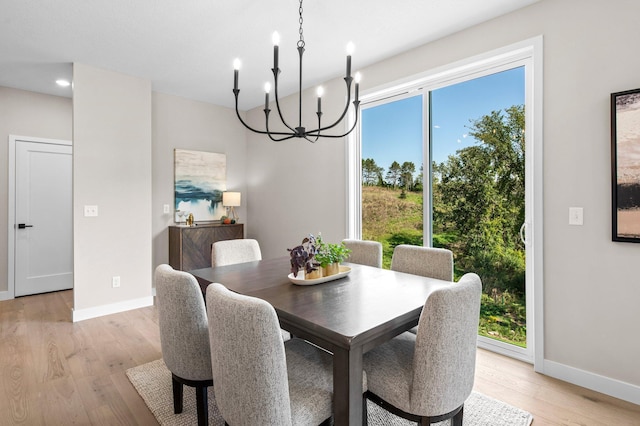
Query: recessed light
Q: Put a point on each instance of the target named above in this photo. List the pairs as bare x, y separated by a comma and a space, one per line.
63, 83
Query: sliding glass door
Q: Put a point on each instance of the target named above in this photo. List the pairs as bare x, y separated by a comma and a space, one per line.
478, 192
443, 164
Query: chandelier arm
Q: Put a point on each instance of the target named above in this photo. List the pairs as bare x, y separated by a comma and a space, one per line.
262, 132
290, 136
308, 139
236, 92
276, 72
285, 135
355, 122
344, 112
307, 134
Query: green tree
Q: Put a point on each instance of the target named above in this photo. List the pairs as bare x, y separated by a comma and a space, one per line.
419, 180
371, 172
479, 199
393, 174
406, 175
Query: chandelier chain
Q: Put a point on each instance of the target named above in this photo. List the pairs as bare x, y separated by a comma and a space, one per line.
301, 41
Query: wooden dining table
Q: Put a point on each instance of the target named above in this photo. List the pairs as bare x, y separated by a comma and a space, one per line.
347, 316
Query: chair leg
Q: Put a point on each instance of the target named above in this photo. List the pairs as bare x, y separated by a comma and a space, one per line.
177, 396
202, 405
457, 419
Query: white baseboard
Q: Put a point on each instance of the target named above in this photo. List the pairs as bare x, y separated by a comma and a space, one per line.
113, 308
5, 295
612, 387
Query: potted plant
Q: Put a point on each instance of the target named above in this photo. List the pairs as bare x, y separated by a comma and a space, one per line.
303, 259
330, 255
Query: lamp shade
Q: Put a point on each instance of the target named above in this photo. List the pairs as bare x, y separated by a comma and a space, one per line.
231, 199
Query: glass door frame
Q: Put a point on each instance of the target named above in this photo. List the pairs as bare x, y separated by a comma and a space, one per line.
528, 54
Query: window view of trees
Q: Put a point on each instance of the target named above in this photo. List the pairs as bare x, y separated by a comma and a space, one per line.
478, 206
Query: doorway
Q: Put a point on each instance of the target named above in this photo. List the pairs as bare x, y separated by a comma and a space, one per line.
471, 199
519, 60
40, 216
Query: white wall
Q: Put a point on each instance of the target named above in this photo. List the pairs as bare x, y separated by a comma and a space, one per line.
26, 114
297, 187
111, 169
176, 123
186, 124
590, 283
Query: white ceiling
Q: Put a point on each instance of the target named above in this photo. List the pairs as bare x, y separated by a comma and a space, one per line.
186, 48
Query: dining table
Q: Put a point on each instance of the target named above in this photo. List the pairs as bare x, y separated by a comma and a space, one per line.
365, 307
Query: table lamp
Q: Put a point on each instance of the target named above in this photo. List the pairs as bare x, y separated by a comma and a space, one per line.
231, 200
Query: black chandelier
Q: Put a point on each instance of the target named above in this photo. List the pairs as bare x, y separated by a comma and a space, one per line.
312, 135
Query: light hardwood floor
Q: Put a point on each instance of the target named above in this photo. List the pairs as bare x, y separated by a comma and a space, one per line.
56, 372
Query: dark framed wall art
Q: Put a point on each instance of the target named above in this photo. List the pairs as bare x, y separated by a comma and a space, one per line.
625, 165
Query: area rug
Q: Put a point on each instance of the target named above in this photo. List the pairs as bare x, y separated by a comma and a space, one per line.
153, 383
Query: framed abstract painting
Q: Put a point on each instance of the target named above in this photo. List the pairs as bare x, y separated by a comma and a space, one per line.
625, 165
200, 179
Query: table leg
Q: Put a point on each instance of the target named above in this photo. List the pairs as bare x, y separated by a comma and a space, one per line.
347, 386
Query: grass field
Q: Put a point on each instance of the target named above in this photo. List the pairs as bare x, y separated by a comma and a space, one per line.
392, 220
385, 216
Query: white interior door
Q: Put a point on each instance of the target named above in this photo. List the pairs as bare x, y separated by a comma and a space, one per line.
43, 218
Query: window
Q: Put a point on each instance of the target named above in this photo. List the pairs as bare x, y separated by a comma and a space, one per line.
412, 181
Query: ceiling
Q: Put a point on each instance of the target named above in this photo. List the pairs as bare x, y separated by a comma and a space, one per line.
186, 48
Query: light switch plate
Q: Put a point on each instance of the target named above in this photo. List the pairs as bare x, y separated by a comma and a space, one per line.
166, 209
575, 216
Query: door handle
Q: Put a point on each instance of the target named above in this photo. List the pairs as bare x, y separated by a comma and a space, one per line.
22, 226
523, 233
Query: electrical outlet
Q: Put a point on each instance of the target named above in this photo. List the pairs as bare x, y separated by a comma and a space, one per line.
167, 209
115, 282
90, 211
575, 216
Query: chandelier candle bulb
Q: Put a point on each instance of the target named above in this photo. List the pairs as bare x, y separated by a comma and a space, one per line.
276, 41
267, 89
358, 77
236, 69
350, 49
320, 92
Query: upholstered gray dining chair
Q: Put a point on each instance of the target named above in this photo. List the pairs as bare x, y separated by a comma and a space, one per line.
184, 336
425, 261
258, 378
229, 252
427, 377
429, 262
364, 252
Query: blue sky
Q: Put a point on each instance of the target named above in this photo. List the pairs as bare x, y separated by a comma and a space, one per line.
393, 131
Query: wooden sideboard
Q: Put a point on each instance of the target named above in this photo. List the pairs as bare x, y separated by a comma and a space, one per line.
190, 246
